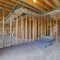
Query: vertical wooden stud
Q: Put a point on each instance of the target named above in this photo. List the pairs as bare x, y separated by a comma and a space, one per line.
53, 25
41, 26
35, 28
16, 29
56, 30
26, 28
38, 28
50, 24
11, 29
45, 25
30, 28
3, 27
22, 29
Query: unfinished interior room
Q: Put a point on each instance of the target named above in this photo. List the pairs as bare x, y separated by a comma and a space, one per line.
29, 29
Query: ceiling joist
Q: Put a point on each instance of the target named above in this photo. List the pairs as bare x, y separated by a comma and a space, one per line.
29, 6
47, 2
7, 2
4, 8
42, 5
6, 5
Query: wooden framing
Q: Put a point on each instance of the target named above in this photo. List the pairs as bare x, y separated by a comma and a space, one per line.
22, 28
33, 18
51, 27
56, 30
35, 28
6, 2
45, 25
16, 29
41, 25
19, 28
30, 27
42, 5
3, 27
38, 27
36, 33
9, 7
37, 5
26, 35
11, 29
28, 6
4, 8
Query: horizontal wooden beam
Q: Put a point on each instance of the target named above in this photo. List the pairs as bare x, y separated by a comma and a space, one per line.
45, 4
7, 2
5, 8
46, 1
5, 5
29, 6
42, 5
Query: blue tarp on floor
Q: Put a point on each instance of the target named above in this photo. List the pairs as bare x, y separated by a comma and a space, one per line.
43, 42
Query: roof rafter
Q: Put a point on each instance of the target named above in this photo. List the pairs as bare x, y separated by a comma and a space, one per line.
6, 5
6, 2
4, 8
47, 2
34, 8
42, 5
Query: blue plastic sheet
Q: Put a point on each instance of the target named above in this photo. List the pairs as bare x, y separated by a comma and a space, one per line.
43, 42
